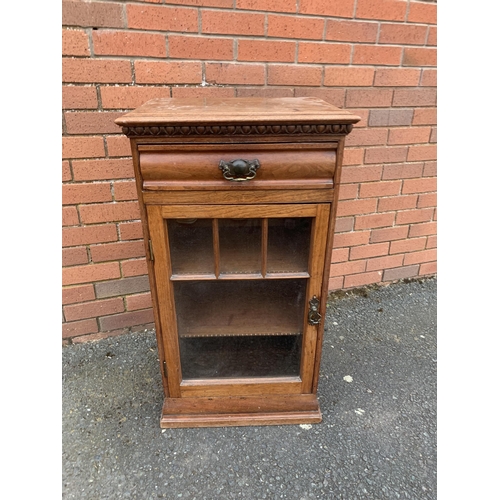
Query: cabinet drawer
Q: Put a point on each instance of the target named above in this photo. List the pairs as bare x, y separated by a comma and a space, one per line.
198, 167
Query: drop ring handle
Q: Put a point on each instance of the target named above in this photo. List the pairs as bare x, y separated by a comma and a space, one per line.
239, 170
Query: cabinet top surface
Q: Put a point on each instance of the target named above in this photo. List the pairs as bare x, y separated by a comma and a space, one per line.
236, 110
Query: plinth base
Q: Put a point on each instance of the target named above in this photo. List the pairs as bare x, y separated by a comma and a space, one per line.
229, 411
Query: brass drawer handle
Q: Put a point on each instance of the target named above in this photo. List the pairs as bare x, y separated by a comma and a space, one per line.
239, 170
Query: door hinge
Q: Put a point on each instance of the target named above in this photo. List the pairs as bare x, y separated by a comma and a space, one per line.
151, 254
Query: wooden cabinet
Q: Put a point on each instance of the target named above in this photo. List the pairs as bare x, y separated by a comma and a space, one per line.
238, 199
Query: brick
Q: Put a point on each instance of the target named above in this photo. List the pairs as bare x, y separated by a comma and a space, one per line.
361, 174
422, 152
161, 18
93, 309
93, 14
66, 171
421, 12
91, 122
339, 255
130, 231
394, 77
336, 283
321, 52
402, 171
419, 185
109, 212
368, 251
366, 137
433, 135
96, 70
352, 267
265, 92
242, 74
415, 97
117, 251
82, 235
412, 135
429, 78
413, 216
348, 191
413, 56
427, 200
79, 97
377, 189
266, 50
294, 27
363, 114
75, 43
424, 229
333, 96
389, 234
369, 98
397, 203
348, 77
386, 155
231, 23
164, 72
374, 221
419, 257
74, 256
281, 74
203, 92
126, 190
201, 47
400, 273
118, 146
93, 170
265, 5
90, 273
126, 319
74, 294
82, 147
128, 43
353, 156
204, 3
339, 8
131, 97
356, 280
124, 286
79, 328
351, 31
70, 216
140, 301
351, 239
390, 117
377, 54
73, 194
431, 241
137, 267
355, 207
83, 339
410, 245
384, 262
432, 36
428, 268
402, 34
389, 10
343, 224
425, 116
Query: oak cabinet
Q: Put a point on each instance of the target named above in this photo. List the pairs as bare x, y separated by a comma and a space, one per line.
238, 200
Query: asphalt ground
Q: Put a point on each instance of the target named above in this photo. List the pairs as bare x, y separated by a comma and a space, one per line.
377, 440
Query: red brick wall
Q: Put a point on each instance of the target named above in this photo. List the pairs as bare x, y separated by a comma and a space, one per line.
374, 57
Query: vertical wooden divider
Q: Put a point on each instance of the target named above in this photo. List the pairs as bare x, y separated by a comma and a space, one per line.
265, 227
215, 236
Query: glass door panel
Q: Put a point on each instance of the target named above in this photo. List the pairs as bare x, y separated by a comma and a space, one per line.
191, 246
240, 328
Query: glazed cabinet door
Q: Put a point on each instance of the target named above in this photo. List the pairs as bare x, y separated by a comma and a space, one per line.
238, 289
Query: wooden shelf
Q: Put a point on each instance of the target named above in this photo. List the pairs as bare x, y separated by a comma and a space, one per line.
240, 307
